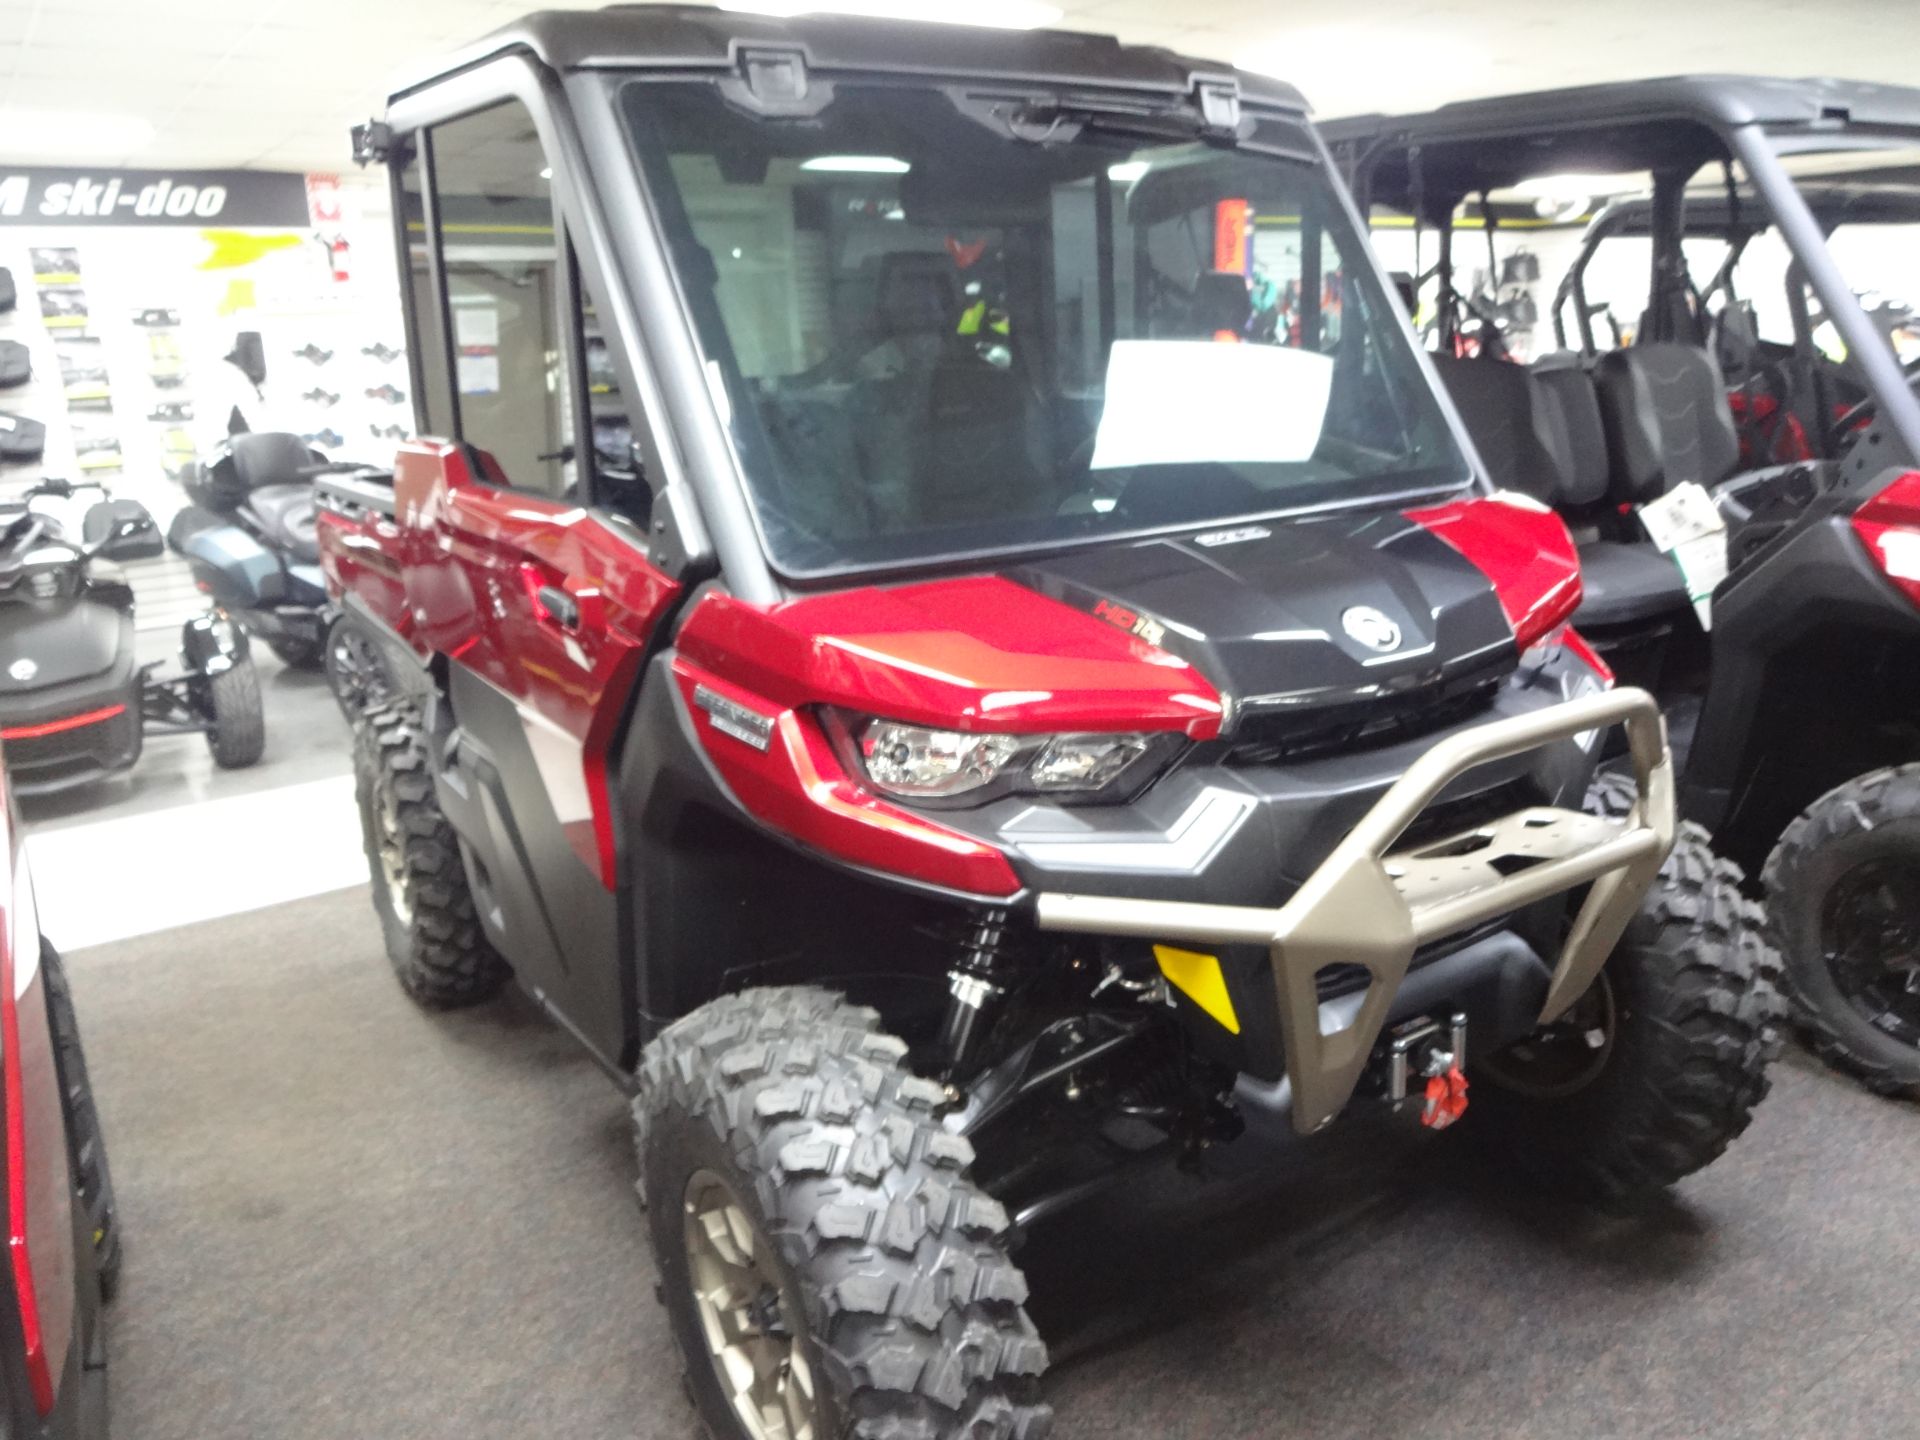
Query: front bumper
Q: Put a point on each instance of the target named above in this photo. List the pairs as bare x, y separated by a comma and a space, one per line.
1371, 906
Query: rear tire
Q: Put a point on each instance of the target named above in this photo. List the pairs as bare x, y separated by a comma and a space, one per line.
1860, 838
427, 915
238, 733
877, 1287
1652, 1074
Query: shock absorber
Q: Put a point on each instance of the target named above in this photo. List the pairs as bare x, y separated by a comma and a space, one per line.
975, 988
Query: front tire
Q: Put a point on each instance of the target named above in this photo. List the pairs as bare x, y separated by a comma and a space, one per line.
237, 733
427, 915
1845, 911
827, 1264
1657, 1069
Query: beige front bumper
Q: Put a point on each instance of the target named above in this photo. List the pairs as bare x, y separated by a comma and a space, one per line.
1372, 907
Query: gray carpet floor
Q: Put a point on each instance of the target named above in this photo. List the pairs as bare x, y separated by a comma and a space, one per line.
347, 1218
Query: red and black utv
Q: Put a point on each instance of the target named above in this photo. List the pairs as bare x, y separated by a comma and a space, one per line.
1771, 226
1005, 672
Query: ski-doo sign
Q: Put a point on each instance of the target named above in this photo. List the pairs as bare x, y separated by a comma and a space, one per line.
40, 196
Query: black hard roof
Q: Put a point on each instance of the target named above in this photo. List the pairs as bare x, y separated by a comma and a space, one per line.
1630, 125
697, 37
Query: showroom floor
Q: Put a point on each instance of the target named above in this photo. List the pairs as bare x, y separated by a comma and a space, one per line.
344, 1216
206, 841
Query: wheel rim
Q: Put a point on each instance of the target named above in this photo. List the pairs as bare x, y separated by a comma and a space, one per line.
355, 667
1870, 938
757, 1356
390, 842
1564, 1056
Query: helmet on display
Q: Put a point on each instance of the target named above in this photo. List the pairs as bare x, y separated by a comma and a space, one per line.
16, 365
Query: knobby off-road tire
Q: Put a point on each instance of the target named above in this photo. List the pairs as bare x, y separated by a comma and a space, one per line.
1692, 1013
238, 734
88, 1146
1869, 823
886, 1264
427, 915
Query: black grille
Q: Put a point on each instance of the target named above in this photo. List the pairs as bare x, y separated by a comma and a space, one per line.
1277, 737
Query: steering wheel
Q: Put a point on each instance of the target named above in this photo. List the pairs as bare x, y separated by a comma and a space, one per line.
1854, 416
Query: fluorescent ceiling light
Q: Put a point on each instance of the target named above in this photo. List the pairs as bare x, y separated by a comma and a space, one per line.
1127, 171
1578, 187
857, 164
1001, 14
76, 133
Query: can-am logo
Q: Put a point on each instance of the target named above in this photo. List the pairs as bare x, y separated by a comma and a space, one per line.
83, 198
1370, 627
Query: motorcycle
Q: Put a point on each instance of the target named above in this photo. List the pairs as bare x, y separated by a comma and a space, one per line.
248, 537
75, 703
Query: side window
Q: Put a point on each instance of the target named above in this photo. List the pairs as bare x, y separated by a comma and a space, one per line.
504, 293
618, 480
431, 378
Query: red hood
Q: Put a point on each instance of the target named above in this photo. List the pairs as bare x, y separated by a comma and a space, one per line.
979, 653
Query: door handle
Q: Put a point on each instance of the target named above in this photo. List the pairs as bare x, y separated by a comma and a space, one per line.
554, 604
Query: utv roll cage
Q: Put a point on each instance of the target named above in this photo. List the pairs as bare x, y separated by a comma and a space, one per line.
1673, 128
1733, 217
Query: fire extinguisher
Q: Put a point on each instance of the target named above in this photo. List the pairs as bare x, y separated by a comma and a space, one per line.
337, 257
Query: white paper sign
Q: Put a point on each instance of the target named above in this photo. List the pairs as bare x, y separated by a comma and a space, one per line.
476, 326
1186, 401
479, 374
1688, 526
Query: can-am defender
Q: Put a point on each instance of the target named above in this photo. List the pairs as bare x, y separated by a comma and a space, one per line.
1774, 237
75, 701
1023, 710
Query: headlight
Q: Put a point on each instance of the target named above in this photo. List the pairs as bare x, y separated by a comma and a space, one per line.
909, 760
920, 763
1085, 762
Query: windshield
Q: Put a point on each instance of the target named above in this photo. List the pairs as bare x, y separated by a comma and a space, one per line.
933, 339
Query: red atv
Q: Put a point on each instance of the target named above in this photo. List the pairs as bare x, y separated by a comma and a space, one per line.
948, 638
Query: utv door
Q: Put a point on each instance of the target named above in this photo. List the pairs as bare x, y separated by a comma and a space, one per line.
542, 603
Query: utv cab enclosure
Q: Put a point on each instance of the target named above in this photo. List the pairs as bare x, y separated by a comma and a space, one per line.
1773, 366
1043, 690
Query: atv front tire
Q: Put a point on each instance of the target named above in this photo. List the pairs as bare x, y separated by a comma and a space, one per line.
1656, 1070
427, 915
825, 1261
1844, 906
237, 729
